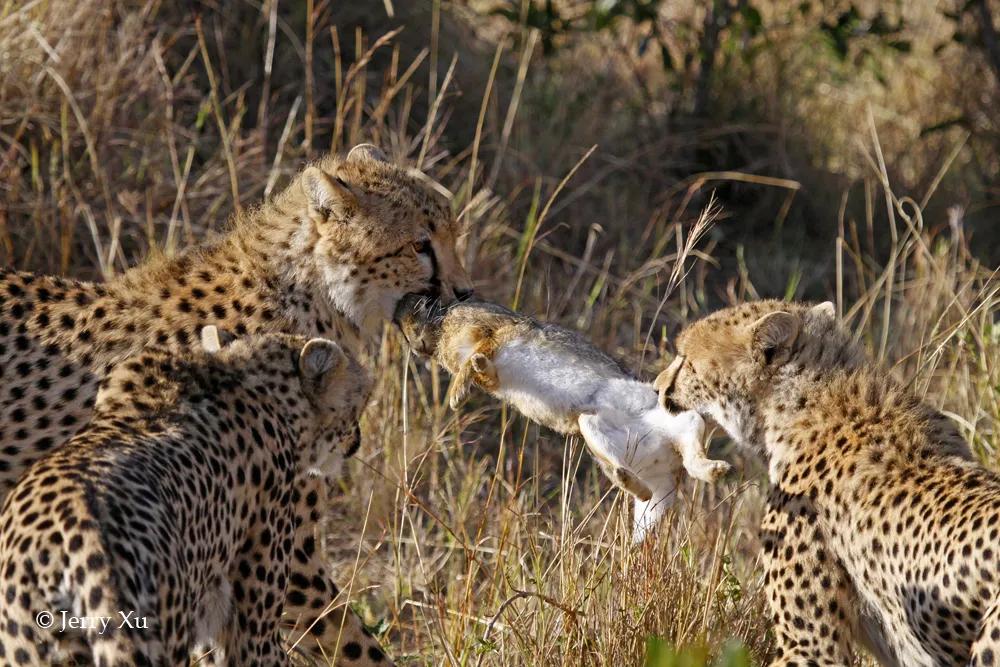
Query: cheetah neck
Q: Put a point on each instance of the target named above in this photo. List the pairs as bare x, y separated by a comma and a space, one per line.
282, 249
779, 414
158, 390
761, 418
257, 279
139, 388
327, 272
856, 411
784, 402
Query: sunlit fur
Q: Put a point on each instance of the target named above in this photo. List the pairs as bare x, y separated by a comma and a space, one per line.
881, 529
285, 266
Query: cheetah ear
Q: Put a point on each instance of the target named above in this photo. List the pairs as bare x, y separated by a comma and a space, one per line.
213, 340
369, 152
775, 331
318, 361
327, 194
825, 310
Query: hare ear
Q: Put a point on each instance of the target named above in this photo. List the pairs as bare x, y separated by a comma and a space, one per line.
318, 361
775, 332
825, 309
328, 195
664, 382
213, 340
369, 152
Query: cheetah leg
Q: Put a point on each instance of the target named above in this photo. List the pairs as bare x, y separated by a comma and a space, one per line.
125, 649
986, 650
808, 591
20, 640
253, 636
121, 644
313, 624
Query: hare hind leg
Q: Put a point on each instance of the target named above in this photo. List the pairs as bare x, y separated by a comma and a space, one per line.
606, 442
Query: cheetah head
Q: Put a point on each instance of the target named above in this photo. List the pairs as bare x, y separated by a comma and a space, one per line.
380, 232
728, 363
338, 388
326, 389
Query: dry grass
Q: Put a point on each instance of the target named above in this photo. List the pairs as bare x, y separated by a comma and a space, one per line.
486, 541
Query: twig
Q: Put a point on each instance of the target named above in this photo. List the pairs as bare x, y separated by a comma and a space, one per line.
573, 614
515, 99
482, 116
272, 178
272, 34
541, 219
310, 105
989, 34
217, 112
435, 105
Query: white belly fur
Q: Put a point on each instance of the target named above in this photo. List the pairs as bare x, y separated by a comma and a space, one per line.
553, 387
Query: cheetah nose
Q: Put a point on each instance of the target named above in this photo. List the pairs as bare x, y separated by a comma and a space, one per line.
463, 293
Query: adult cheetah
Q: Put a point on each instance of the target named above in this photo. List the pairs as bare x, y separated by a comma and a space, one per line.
167, 521
880, 528
330, 256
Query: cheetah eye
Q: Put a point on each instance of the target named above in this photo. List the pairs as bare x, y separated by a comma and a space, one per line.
423, 247
769, 355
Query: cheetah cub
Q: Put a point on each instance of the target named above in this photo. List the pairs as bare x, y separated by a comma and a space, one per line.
167, 523
556, 378
880, 530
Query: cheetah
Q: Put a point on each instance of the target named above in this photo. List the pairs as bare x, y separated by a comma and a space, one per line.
881, 530
168, 520
328, 257
558, 379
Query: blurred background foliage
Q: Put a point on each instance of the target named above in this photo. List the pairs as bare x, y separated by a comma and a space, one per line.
677, 96
782, 89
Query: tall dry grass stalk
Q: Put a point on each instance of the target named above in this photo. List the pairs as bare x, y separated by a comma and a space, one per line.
469, 538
